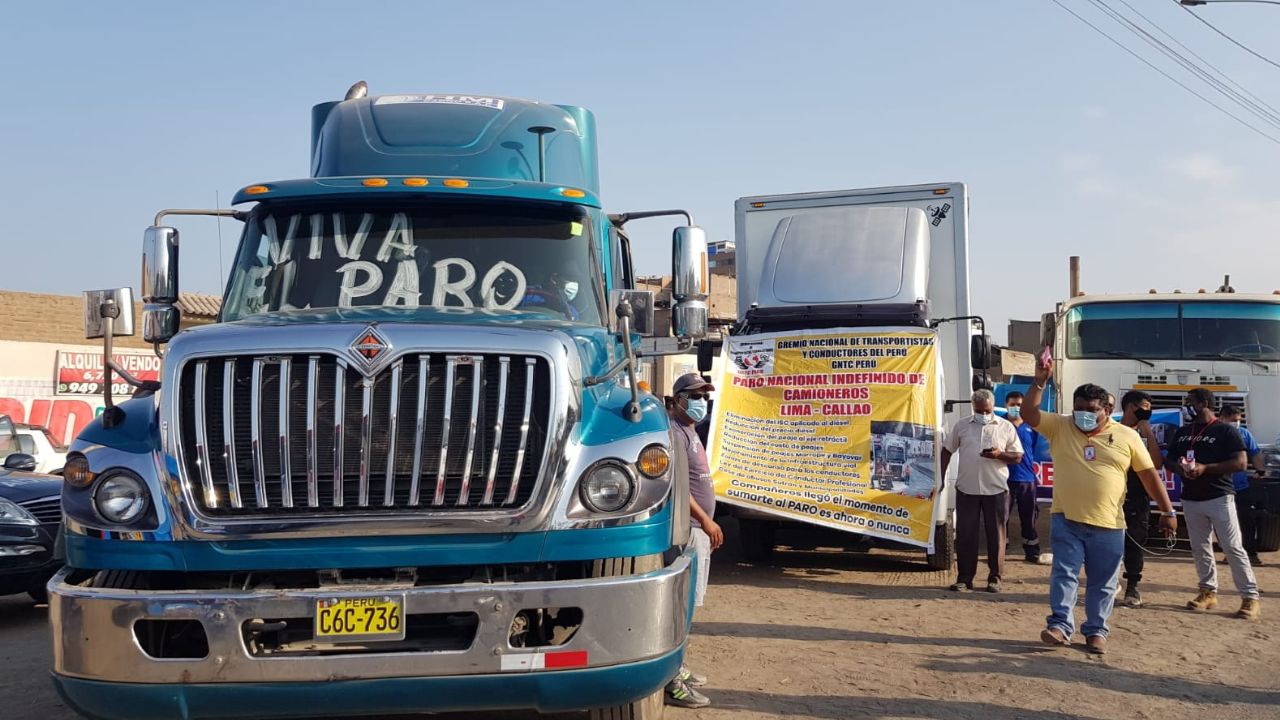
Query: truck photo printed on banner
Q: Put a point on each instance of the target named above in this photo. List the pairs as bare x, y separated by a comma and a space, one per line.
831, 427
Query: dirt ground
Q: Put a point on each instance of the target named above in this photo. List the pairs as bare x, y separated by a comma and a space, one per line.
832, 635
824, 634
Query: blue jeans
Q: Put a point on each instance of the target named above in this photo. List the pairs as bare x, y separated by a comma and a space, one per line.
1099, 551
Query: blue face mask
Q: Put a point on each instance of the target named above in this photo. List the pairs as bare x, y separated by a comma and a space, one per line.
1086, 420
695, 409
1014, 412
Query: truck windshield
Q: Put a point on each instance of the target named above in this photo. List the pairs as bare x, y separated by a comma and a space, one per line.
1172, 330
529, 258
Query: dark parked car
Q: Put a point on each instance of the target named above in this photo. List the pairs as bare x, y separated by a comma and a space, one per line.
30, 527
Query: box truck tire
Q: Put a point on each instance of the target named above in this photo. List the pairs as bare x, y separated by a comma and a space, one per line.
758, 538
1268, 532
944, 546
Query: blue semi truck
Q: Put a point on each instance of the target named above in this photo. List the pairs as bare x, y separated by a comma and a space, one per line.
409, 469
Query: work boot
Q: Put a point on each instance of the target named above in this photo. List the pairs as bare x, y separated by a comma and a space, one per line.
691, 678
680, 694
1132, 597
1054, 636
1206, 600
1096, 644
1250, 609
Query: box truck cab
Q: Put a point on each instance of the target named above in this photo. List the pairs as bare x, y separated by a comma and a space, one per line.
867, 258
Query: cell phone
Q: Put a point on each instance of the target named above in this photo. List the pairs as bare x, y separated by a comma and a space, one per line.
1045, 356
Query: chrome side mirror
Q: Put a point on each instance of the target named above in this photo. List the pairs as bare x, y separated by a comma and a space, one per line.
108, 310
159, 284
689, 282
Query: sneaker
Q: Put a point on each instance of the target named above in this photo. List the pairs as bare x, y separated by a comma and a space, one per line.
1255, 561
681, 695
1032, 553
691, 678
1053, 636
993, 586
1250, 609
960, 587
1206, 600
1132, 597
1096, 644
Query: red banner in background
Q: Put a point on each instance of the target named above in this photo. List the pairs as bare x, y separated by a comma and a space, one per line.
81, 373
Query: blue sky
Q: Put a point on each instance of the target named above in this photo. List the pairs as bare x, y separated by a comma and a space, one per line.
1069, 146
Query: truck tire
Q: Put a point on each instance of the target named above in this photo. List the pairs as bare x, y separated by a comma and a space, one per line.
1268, 532
944, 546
758, 538
649, 708
652, 706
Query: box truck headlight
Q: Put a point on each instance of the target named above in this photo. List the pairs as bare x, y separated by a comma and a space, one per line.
121, 497
607, 488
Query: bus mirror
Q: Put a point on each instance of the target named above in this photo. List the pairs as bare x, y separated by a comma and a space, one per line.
1048, 329
980, 352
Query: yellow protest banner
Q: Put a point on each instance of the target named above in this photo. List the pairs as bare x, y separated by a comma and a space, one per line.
831, 427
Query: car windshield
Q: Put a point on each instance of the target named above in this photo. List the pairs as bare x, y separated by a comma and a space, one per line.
1172, 330
523, 257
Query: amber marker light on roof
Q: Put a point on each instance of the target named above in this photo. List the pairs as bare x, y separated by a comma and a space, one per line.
757, 204
940, 191
456, 183
374, 182
415, 182
256, 189
572, 192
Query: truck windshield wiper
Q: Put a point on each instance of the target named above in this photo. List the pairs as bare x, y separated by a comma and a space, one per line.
1122, 354
1230, 356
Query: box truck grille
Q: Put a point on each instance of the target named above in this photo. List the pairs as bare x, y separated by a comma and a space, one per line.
295, 435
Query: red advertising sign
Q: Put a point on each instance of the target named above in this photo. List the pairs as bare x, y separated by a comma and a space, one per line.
81, 373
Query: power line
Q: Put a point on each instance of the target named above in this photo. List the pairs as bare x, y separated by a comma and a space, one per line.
1197, 56
1167, 76
1254, 108
1235, 42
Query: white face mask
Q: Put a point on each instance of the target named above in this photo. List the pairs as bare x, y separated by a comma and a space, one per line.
984, 418
571, 289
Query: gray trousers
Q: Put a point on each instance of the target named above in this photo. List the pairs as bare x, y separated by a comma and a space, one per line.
1218, 517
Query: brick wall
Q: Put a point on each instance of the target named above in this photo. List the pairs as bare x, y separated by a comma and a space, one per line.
37, 317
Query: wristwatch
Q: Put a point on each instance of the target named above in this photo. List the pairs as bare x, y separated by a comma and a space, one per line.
1171, 513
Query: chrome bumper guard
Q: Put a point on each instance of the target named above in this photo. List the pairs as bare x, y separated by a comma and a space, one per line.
625, 619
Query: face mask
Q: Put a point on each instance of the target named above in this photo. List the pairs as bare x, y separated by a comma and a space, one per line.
695, 409
1235, 424
1189, 412
1014, 412
983, 418
1086, 420
571, 290
1141, 414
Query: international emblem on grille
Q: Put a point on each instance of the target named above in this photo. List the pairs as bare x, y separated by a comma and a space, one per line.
369, 346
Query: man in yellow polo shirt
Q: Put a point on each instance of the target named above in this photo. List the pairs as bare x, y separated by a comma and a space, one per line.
1091, 459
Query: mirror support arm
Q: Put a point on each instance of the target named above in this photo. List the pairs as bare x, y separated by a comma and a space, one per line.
111, 415
628, 362
240, 215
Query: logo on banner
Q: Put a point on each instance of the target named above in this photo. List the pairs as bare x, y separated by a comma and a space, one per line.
753, 358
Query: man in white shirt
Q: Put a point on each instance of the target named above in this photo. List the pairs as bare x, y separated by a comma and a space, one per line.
985, 446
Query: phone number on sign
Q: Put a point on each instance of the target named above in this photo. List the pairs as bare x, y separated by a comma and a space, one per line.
92, 388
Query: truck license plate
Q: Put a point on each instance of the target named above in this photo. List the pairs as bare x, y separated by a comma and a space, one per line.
355, 619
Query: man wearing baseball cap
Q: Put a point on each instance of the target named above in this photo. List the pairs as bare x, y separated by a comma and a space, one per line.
687, 408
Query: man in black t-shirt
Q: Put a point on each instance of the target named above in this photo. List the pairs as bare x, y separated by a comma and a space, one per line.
1137, 505
1207, 453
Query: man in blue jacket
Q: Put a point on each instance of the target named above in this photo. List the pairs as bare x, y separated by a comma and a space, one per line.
1247, 497
1022, 478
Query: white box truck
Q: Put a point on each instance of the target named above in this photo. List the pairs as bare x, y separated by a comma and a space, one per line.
893, 259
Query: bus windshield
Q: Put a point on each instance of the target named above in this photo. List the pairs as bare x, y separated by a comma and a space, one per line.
1174, 330
530, 258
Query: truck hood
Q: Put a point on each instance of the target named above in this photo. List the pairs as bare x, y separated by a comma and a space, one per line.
595, 343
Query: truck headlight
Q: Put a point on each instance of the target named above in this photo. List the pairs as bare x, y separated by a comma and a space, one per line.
12, 513
607, 488
121, 497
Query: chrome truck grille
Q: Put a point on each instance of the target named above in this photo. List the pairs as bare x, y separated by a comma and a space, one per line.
307, 434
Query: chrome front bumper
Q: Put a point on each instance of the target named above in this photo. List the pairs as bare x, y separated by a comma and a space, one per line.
625, 619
